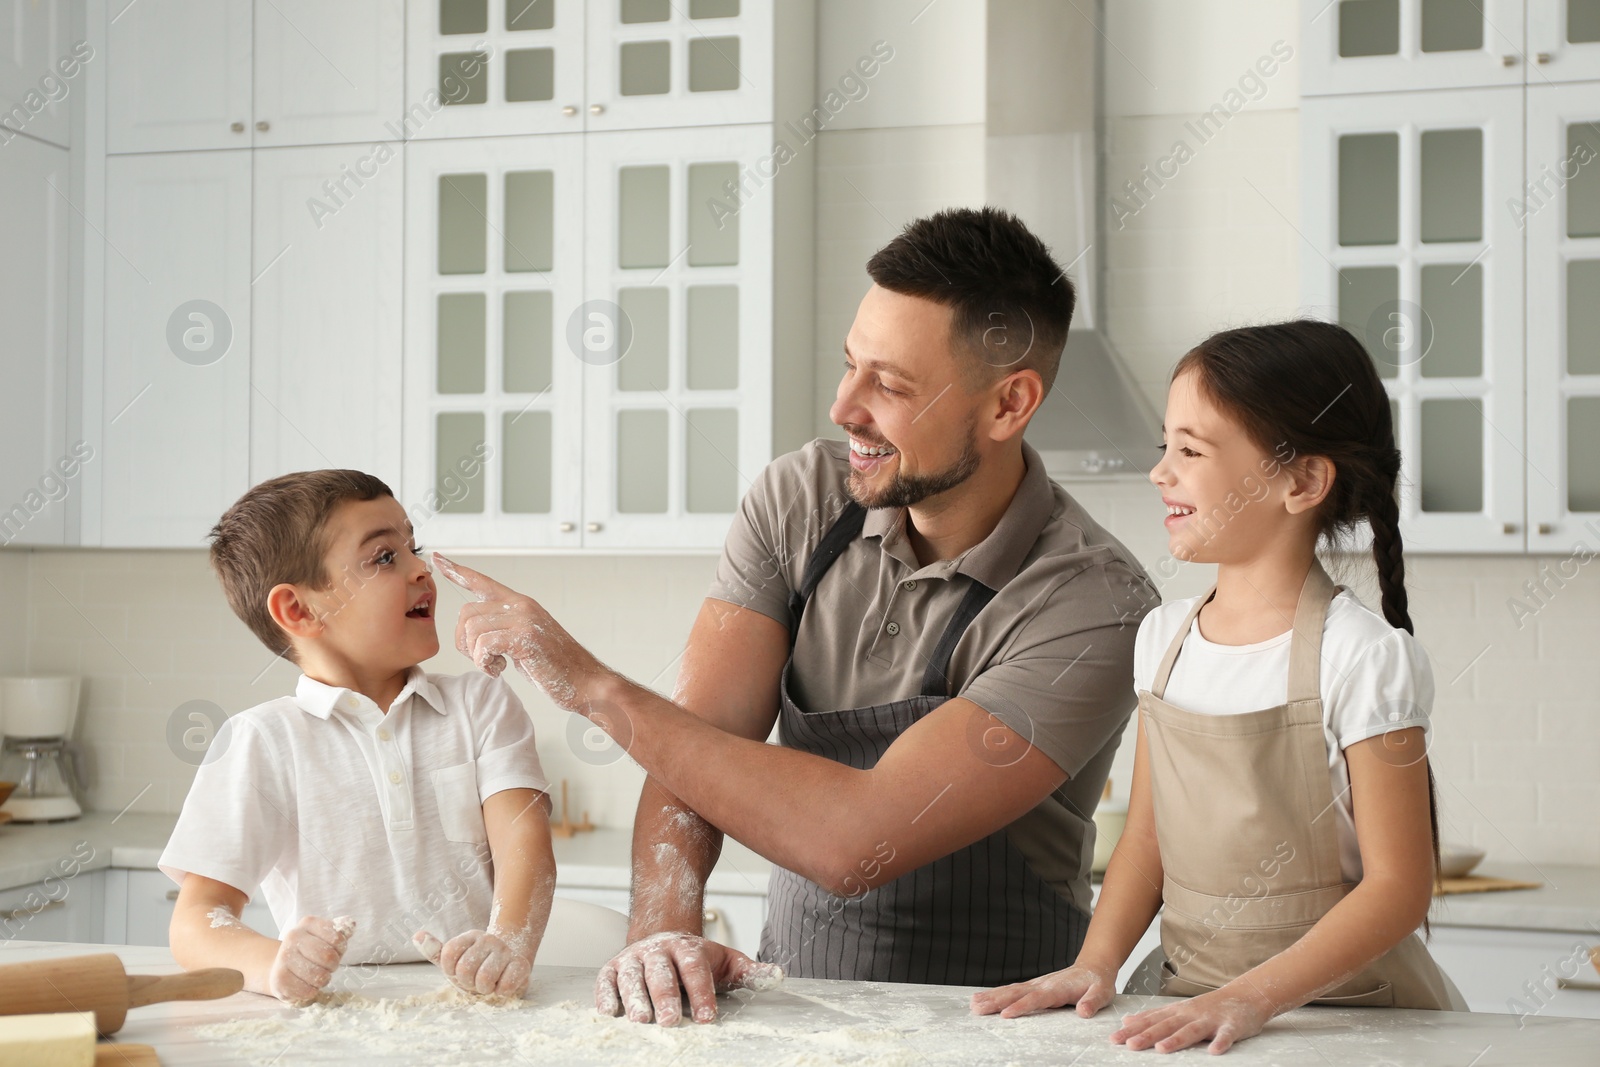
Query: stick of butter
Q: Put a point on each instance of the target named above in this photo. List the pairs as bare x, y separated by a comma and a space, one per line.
63, 1039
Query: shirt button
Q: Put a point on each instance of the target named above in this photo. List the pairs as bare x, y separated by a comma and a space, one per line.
912, 584
892, 629
394, 776
383, 735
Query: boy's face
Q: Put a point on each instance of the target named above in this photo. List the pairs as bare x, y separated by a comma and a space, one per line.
378, 613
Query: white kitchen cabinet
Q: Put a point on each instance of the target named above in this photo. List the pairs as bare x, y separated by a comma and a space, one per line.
204, 74
494, 268
477, 67
325, 387
1371, 46
480, 67
677, 426
1409, 245
175, 429
1560, 210
59, 908
139, 905
35, 218
40, 71
1563, 41
178, 75
1518, 972
619, 397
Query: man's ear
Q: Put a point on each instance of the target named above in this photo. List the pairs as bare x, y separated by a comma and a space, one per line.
1019, 396
1310, 482
294, 614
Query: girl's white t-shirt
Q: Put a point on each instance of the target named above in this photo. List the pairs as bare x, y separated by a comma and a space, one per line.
1375, 679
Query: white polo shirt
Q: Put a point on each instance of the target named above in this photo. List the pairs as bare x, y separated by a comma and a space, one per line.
334, 808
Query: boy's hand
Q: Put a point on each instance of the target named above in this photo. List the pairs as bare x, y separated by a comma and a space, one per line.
1088, 988
479, 961
307, 957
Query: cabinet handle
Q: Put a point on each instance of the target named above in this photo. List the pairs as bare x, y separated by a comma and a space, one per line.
27, 913
1545, 527
594, 527
1508, 61
1543, 58
597, 109
237, 127
172, 894
711, 916
1509, 528
568, 527
570, 110
263, 126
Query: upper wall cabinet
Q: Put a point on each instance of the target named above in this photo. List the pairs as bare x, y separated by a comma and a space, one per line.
200, 74
1368, 46
541, 66
40, 71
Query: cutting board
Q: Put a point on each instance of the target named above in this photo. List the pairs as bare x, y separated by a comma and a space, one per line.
1479, 883
125, 1056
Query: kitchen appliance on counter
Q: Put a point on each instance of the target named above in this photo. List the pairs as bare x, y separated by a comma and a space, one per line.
37, 751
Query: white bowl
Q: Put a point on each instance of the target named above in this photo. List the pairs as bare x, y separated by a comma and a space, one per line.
1457, 861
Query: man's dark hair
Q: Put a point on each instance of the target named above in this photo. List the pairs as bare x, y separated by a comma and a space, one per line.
1011, 302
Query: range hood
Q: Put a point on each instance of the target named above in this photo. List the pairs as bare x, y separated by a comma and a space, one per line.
1044, 161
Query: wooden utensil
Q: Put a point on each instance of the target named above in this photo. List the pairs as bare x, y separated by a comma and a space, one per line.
101, 985
125, 1056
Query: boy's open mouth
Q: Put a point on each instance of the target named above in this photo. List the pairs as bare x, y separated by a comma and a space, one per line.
423, 608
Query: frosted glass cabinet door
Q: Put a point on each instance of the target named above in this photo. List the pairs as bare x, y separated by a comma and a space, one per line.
1563, 40
34, 39
327, 73
494, 394
178, 76
478, 67
1370, 46
654, 63
677, 335
1561, 209
175, 424
1410, 245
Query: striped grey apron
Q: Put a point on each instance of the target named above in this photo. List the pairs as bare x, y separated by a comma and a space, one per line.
979, 916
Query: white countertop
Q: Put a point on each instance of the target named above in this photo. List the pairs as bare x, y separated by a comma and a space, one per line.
810, 1022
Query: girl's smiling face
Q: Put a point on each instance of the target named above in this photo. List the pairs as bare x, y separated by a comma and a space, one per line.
1224, 493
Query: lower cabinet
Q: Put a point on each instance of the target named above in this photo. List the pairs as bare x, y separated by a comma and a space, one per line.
138, 909
59, 908
1520, 972
733, 919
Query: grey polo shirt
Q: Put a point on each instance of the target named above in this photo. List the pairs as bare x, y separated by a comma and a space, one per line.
1051, 656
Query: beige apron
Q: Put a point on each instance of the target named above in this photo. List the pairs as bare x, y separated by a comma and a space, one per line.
1249, 848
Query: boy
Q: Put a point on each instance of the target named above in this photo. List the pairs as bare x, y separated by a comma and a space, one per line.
378, 805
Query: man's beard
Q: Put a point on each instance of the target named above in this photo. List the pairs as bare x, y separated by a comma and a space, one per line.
904, 490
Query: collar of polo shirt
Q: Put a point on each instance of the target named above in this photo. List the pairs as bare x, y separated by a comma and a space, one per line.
319, 699
994, 561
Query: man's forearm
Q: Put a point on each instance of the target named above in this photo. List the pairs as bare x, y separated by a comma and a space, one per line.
674, 851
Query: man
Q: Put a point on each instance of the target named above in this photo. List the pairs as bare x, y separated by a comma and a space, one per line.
941, 634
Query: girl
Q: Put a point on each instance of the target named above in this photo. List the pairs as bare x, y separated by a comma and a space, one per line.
1282, 813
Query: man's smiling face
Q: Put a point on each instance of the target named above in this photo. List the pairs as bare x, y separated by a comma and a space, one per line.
907, 402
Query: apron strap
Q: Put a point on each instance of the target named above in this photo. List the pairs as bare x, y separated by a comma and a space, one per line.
1158, 685
845, 529
935, 680
1305, 647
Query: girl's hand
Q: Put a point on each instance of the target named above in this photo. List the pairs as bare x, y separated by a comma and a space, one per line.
1090, 989
1222, 1016
307, 957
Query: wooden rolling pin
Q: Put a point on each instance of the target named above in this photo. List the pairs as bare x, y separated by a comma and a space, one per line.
99, 984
